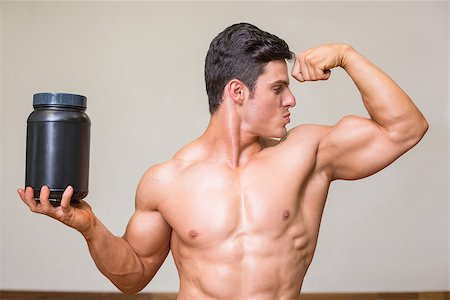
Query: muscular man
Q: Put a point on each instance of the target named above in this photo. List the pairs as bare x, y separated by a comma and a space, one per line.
241, 211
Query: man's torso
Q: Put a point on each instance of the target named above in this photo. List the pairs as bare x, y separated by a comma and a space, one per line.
247, 232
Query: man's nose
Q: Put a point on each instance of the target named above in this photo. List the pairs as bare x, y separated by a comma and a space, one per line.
290, 100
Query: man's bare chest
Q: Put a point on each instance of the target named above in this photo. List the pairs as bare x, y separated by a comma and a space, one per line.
212, 204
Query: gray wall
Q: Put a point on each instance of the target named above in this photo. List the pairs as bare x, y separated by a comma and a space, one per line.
141, 66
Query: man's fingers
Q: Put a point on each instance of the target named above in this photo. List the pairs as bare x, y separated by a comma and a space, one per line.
296, 72
312, 65
44, 199
21, 193
27, 197
304, 68
301, 70
311, 69
29, 193
321, 73
66, 197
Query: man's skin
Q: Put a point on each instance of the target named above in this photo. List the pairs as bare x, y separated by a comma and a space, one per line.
241, 212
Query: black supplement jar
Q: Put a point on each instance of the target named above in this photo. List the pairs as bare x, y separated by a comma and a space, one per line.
58, 137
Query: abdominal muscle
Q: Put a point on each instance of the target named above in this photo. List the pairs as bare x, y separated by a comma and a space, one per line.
243, 266
244, 234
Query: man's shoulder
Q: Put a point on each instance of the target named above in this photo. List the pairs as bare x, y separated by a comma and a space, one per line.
170, 170
307, 133
164, 172
158, 182
299, 146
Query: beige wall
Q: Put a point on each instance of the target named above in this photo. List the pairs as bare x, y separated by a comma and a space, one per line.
141, 66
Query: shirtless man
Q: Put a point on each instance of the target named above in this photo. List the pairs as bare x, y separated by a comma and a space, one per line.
241, 211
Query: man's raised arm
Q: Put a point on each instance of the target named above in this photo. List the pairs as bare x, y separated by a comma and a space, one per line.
357, 147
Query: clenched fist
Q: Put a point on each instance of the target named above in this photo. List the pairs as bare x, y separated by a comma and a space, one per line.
316, 63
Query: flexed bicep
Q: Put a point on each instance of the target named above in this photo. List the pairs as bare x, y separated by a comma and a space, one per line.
357, 147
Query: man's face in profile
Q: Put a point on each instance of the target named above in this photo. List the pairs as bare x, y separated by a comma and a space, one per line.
266, 111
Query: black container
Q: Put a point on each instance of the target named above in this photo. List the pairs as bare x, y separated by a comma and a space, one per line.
58, 135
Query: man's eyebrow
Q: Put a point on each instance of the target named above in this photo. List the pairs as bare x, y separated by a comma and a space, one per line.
281, 81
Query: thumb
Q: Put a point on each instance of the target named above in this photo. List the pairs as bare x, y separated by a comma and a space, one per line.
326, 75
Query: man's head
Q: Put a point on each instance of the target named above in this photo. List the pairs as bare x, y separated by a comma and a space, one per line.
240, 52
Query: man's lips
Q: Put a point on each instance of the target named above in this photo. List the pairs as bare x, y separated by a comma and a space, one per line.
287, 117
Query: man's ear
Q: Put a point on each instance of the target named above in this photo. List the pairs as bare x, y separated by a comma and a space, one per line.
236, 91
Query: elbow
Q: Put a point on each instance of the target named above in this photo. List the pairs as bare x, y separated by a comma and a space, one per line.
425, 126
421, 130
415, 133
409, 134
130, 287
129, 292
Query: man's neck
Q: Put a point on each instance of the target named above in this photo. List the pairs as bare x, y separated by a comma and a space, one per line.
227, 139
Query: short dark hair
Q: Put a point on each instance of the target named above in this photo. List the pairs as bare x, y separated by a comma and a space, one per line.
240, 52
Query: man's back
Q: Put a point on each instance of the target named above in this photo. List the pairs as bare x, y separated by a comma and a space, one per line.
246, 232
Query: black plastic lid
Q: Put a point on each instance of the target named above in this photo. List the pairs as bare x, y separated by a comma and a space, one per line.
62, 99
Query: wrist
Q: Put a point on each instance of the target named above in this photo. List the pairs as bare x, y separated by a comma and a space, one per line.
89, 231
347, 55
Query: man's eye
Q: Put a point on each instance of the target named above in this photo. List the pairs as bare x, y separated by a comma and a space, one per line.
277, 90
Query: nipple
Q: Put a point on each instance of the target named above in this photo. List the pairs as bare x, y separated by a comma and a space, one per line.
286, 215
193, 234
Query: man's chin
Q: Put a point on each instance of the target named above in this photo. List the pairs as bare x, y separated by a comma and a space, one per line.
279, 135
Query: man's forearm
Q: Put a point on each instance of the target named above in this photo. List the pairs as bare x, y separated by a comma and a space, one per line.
115, 258
387, 104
